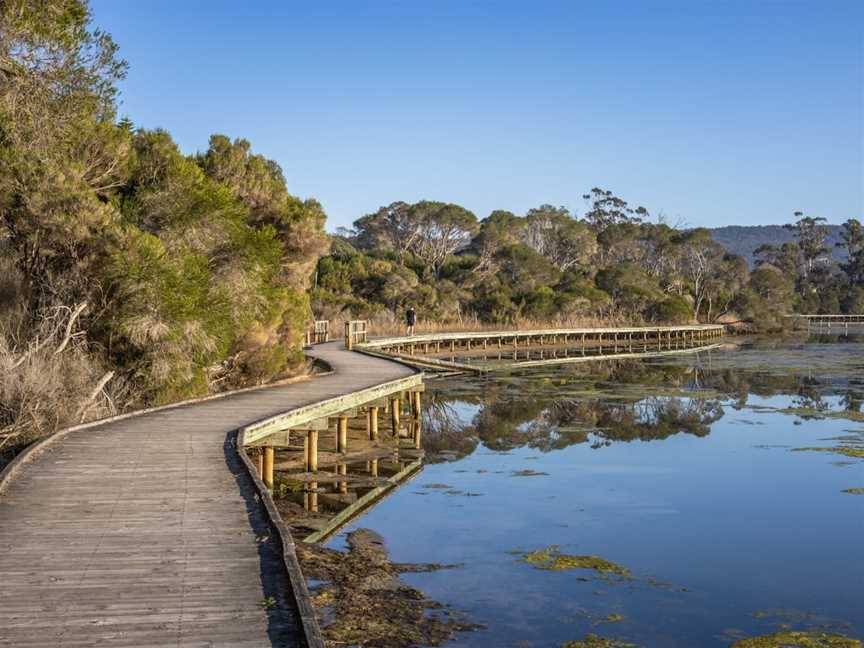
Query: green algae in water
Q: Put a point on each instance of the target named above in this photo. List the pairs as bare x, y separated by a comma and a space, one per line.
527, 473
813, 413
811, 639
596, 641
854, 491
551, 559
857, 453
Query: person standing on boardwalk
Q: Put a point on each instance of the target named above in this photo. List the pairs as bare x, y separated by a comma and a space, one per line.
410, 319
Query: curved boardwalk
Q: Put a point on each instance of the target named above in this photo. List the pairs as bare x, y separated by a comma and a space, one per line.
148, 531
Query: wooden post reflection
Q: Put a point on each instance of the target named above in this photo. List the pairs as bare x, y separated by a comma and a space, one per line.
310, 497
395, 405
342, 469
373, 467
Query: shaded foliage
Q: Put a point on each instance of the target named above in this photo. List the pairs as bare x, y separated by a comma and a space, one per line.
185, 274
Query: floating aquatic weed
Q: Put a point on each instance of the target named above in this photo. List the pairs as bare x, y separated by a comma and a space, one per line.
818, 414
551, 559
854, 491
437, 486
596, 641
527, 473
858, 453
809, 639
363, 600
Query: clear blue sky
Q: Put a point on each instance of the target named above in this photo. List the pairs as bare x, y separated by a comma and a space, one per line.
708, 111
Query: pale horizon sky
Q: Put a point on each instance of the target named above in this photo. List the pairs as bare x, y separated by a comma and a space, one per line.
713, 113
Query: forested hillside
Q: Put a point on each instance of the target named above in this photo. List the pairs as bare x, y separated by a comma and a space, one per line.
130, 272
744, 240
613, 263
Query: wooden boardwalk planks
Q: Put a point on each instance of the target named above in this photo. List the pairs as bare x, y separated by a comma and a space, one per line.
148, 531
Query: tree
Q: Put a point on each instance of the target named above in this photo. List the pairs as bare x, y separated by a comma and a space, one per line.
608, 209
394, 227
811, 233
442, 228
61, 155
497, 231
702, 259
852, 238
555, 234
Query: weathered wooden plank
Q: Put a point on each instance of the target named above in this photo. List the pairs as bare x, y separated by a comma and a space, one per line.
151, 530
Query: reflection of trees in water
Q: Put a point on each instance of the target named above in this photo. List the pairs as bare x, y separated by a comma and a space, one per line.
561, 423
613, 401
444, 431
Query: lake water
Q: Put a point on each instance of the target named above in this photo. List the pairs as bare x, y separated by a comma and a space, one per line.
682, 470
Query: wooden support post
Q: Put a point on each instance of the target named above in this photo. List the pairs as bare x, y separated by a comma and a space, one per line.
373, 467
269, 458
415, 404
372, 423
312, 451
259, 463
342, 435
417, 433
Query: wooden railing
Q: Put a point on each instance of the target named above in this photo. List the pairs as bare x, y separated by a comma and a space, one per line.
814, 319
355, 332
320, 332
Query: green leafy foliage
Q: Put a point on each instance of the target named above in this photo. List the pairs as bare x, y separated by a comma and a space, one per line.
193, 270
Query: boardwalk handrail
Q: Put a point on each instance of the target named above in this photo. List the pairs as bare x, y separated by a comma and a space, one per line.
848, 317
537, 333
318, 333
356, 331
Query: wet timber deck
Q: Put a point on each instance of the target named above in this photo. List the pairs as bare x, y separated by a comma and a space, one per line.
149, 531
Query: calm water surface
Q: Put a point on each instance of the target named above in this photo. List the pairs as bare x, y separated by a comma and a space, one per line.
680, 469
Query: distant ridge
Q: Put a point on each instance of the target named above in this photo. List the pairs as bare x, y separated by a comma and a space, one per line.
743, 240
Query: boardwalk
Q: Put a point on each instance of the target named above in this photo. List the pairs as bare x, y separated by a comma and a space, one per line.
148, 531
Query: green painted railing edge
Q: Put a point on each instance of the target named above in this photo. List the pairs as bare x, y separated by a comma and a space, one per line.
346, 514
299, 589
327, 407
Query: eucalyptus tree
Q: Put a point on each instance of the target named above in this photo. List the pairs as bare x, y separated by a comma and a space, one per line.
810, 233
852, 238
442, 229
555, 234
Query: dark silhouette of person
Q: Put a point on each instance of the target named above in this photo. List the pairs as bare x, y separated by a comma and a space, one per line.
411, 319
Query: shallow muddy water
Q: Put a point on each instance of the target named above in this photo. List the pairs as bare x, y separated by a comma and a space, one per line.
686, 501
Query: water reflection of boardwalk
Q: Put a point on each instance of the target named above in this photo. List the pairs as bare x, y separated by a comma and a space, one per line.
148, 530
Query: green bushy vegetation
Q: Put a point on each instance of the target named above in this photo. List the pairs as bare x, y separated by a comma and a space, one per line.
127, 265
134, 274
611, 264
